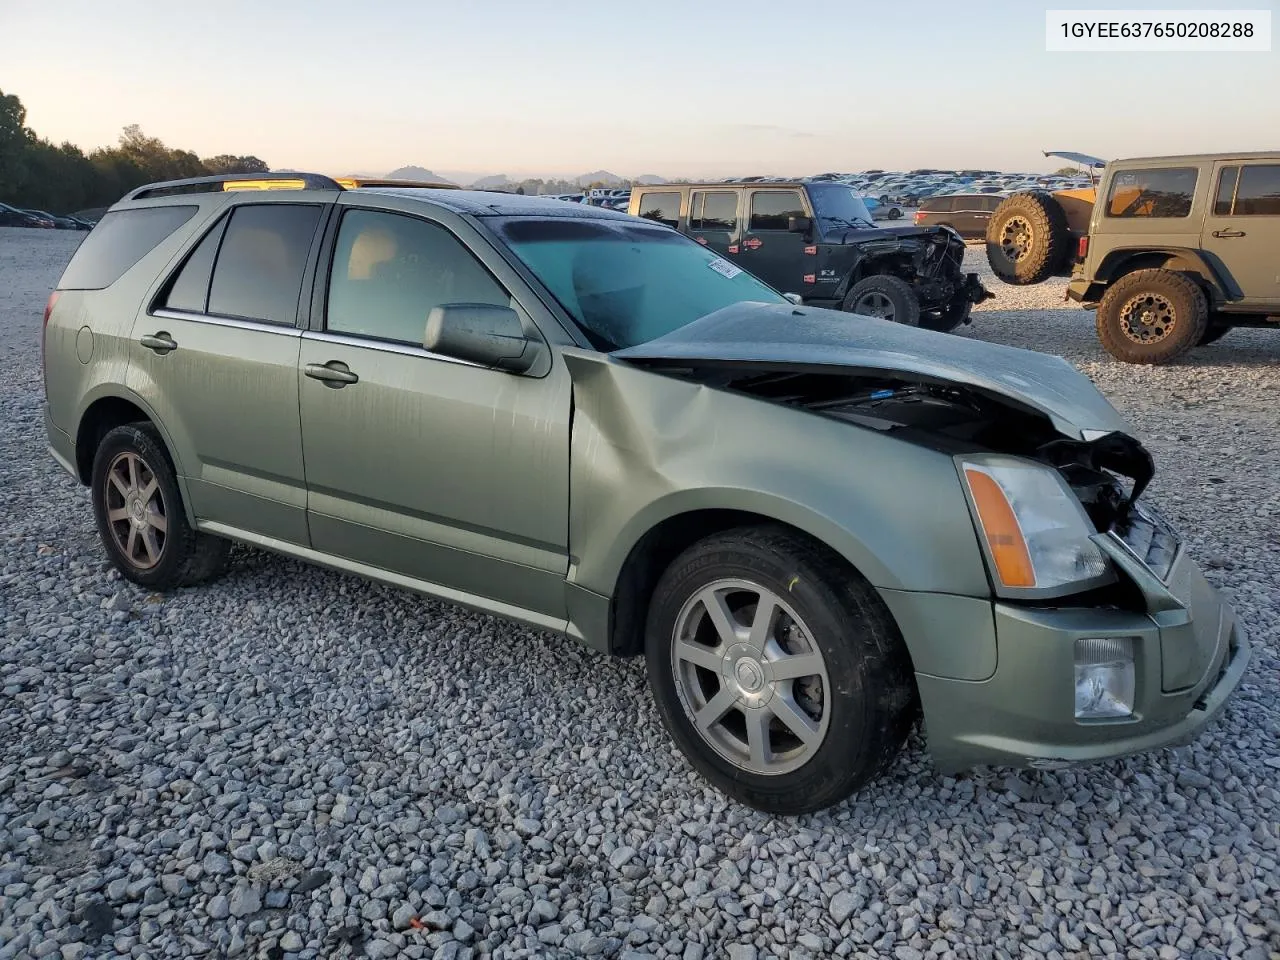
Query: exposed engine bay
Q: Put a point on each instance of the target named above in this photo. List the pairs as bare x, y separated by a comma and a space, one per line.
1107, 473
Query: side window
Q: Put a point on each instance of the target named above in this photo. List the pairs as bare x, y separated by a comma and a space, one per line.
389, 270
771, 210
713, 210
663, 207
258, 275
989, 204
1159, 192
1226, 191
118, 242
189, 289
1259, 192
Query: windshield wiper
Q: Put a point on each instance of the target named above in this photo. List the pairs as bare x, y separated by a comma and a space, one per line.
854, 224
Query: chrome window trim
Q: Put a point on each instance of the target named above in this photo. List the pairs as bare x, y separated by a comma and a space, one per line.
385, 346
262, 326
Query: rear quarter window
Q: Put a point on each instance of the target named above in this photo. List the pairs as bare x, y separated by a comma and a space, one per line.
1158, 192
120, 240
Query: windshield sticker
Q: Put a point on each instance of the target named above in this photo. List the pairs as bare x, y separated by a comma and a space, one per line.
811, 251
753, 243
724, 268
733, 248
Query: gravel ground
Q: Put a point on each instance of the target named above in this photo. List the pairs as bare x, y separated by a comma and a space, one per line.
293, 762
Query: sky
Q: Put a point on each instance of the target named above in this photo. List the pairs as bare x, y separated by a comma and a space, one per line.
699, 88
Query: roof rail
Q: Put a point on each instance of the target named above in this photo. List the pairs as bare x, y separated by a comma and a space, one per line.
310, 181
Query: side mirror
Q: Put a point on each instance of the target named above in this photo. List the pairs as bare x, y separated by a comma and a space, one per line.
480, 333
799, 224
794, 298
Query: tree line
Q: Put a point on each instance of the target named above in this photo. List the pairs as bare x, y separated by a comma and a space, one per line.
37, 174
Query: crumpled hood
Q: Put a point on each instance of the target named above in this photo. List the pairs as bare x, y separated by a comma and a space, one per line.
780, 336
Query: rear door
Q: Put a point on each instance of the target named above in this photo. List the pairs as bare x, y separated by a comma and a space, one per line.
769, 249
215, 355
1242, 229
715, 220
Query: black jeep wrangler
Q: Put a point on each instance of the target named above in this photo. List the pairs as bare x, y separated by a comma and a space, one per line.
816, 239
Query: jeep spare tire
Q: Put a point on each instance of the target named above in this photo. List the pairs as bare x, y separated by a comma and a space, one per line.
1027, 238
885, 297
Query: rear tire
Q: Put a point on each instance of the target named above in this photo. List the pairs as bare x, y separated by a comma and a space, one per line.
1027, 238
855, 706
140, 515
886, 297
1152, 316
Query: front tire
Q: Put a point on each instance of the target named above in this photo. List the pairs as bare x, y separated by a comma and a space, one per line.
777, 670
140, 516
886, 297
1152, 316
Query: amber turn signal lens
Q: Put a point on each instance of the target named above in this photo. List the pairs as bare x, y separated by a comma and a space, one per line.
1000, 526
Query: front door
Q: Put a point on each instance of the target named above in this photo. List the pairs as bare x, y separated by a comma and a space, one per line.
769, 249
418, 464
1242, 229
216, 358
714, 221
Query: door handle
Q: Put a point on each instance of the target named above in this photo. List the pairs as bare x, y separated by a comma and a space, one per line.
334, 374
160, 342
1228, 233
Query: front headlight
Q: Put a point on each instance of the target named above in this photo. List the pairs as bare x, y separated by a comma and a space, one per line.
1035, 530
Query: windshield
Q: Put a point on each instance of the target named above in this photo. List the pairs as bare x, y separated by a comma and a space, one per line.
628, 283
837, 202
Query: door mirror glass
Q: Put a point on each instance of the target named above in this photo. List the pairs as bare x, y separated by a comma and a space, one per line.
480, 333
799, 224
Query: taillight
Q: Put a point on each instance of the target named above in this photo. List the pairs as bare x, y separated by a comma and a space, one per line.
1082, 247
44, 334
919, 215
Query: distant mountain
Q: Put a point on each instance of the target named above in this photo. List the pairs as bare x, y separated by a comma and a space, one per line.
600, 176
648, 179
416, 173
495, 182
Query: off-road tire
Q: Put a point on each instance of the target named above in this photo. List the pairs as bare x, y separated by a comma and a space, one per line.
898, 293
873, 700
187, 557
1048, 243
1186, 327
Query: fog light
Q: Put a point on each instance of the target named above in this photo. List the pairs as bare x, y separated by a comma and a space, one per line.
1104, 678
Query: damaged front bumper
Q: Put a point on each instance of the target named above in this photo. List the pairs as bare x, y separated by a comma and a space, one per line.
1190, 655
974, 291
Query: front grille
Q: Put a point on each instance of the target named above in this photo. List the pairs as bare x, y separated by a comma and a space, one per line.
1151, 538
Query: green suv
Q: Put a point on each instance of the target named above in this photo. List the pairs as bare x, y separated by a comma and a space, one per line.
815, 239
596, 426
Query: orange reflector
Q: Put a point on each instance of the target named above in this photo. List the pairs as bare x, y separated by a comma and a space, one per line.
1000, 526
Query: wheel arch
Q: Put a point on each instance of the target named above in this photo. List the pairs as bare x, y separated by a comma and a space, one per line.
1184, 260
108, 408
667, 537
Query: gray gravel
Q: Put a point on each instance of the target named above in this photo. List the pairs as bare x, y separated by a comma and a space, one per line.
296, 763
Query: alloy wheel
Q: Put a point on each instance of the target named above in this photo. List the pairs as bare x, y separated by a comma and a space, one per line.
750, 677
1016, 237
1147, 318
875, 304
136, 513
